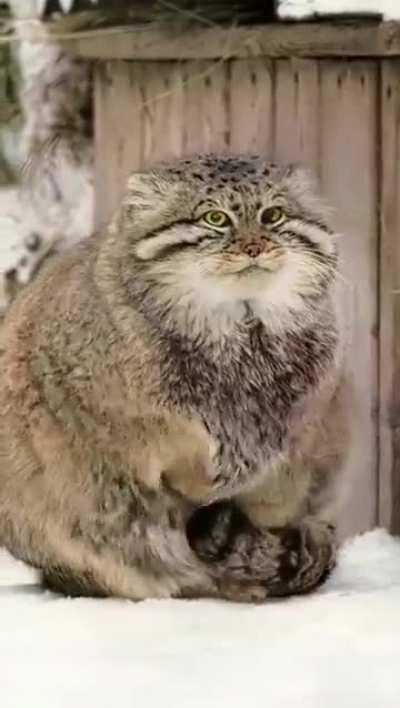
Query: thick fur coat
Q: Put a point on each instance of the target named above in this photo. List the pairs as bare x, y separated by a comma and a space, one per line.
172, 398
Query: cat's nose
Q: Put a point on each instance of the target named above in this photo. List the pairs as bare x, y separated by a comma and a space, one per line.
254, 244
254, 248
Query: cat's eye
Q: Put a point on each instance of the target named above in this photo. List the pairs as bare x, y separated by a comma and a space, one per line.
216, 218
272, 215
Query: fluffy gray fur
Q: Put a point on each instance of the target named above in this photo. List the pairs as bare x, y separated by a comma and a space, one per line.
173, 400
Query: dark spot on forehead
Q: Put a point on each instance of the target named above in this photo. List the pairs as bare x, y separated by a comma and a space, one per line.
235, 206
246, 171
229, 168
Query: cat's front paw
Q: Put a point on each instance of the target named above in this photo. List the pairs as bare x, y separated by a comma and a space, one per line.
308, 554
281, 561
235, 550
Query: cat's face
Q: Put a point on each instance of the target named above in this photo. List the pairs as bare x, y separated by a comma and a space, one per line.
230, 229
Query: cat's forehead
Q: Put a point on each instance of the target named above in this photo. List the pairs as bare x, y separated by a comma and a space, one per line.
223, 170
236, 182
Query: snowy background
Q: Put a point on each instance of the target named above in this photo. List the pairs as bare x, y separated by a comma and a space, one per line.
338, 648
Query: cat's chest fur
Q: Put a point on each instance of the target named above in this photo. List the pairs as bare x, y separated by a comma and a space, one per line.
245, 388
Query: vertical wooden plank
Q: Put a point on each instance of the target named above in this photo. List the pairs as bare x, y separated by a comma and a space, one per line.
194, 73
389, 331
161, 90
349, 169
297, 112
251, 101
206, 112
118, 132
138, 121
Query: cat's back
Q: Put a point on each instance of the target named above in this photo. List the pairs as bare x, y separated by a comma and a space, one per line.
65, 355
43, 309
29, 337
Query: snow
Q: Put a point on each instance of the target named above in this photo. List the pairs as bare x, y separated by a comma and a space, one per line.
303, 9
338, 648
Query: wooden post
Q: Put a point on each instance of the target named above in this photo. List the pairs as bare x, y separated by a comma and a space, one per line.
389, 291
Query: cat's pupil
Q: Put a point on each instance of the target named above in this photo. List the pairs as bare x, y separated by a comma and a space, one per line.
216, 218
270, 216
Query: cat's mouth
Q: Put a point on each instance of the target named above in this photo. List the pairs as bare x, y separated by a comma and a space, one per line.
254, 268
244, 267
258, 267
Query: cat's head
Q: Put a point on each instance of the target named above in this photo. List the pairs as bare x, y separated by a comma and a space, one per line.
229, 229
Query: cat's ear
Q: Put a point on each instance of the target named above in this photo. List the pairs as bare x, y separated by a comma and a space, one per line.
141, 187
149, 201
303, 184
302, 179
140, 196
144, 187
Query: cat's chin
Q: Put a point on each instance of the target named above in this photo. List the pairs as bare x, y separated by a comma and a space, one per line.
248, 282
254, 270
264, 290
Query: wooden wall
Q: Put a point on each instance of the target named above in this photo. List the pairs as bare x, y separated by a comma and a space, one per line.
340, 117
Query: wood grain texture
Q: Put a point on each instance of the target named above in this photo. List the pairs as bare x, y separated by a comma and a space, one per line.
118, 132
162, 94
297, 112
389, 412
252, 124
138, 121
206, 107
349, 174
323, 39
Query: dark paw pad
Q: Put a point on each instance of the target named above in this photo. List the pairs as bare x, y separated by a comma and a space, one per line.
291, 557
211, 530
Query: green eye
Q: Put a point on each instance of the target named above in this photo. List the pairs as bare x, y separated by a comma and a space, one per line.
272, 215
216, 218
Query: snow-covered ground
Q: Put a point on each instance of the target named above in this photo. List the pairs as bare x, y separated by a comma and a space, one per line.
339, 648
